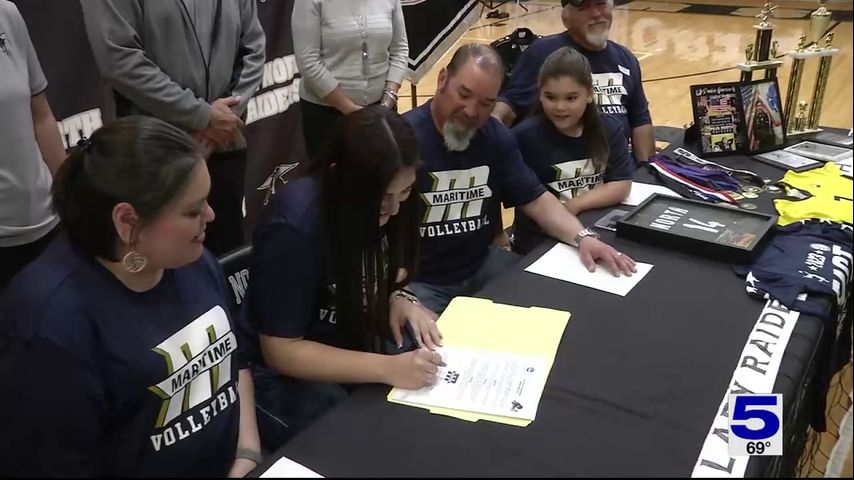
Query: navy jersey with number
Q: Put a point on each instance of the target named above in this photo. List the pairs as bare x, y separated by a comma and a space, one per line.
811, 257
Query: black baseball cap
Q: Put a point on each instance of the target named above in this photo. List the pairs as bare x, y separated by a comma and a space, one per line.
574, 3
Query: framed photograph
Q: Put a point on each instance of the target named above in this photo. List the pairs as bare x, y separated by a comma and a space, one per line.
820, 151
727, 234
718, 118
833, 138
787, 160
763, 116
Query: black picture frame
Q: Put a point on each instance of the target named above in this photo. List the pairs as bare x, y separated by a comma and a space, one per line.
722, 233
820, 151
718, 118
762, 114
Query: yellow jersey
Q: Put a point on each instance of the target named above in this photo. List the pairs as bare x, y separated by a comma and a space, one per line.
830, 196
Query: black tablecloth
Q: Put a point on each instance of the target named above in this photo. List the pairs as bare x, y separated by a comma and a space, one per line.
636, 382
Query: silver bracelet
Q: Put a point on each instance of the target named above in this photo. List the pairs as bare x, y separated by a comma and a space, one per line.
408, 296
391, 93
389, 99
249, 455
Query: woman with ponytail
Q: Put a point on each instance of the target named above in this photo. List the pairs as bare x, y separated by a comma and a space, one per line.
118, 348
581, 155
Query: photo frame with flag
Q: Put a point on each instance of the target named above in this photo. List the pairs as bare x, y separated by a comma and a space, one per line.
718, 118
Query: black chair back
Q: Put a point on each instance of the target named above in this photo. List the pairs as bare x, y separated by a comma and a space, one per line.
235, 265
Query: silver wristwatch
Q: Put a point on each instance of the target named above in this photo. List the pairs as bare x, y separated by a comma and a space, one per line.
587, 232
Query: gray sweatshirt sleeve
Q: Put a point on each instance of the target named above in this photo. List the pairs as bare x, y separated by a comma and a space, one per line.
249, 67
306, 31
112, 28
398, 50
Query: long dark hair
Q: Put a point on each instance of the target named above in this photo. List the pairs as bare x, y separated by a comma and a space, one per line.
568, 62
140, 160
362, 155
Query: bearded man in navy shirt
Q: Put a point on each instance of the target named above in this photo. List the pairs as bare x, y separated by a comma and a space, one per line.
471, 164
617, 80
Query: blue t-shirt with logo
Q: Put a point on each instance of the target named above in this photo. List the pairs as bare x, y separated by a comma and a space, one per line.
104, 381
563, 165
617, 84
292, 289
461, 194
292, 293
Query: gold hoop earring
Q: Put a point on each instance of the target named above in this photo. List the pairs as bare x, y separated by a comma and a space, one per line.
134, 262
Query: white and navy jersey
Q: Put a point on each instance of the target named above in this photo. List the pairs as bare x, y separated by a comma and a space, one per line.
804, 261
103, 381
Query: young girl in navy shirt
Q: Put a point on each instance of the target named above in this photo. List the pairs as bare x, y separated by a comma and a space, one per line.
580, 155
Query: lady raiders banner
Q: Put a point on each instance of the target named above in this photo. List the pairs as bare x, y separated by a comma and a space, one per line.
433, 27
273, 118
755, 372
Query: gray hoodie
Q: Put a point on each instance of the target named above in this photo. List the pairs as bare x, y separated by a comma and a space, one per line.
154, 54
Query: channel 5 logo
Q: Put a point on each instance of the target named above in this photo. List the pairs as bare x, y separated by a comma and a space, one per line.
755, 424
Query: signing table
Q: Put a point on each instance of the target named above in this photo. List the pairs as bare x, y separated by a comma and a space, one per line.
635, 386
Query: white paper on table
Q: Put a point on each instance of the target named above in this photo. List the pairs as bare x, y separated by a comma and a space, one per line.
562, 262
642, 191
287, 468
484, 382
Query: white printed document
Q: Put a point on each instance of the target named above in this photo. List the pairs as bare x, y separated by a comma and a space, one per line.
485, 382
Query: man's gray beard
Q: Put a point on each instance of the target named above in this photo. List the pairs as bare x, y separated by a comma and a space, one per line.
599, 40
457, 139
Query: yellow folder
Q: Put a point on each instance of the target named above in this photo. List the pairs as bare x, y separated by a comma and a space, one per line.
482, 324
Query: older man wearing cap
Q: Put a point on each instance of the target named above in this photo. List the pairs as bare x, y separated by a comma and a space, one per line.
616, 72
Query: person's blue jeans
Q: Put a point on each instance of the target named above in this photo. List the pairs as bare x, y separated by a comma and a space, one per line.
437, 297
284, 406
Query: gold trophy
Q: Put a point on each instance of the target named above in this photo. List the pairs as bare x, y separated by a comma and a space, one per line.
760, 55
819, 21
801, 118
820, 48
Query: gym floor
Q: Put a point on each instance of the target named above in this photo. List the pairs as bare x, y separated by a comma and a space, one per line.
677, 50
